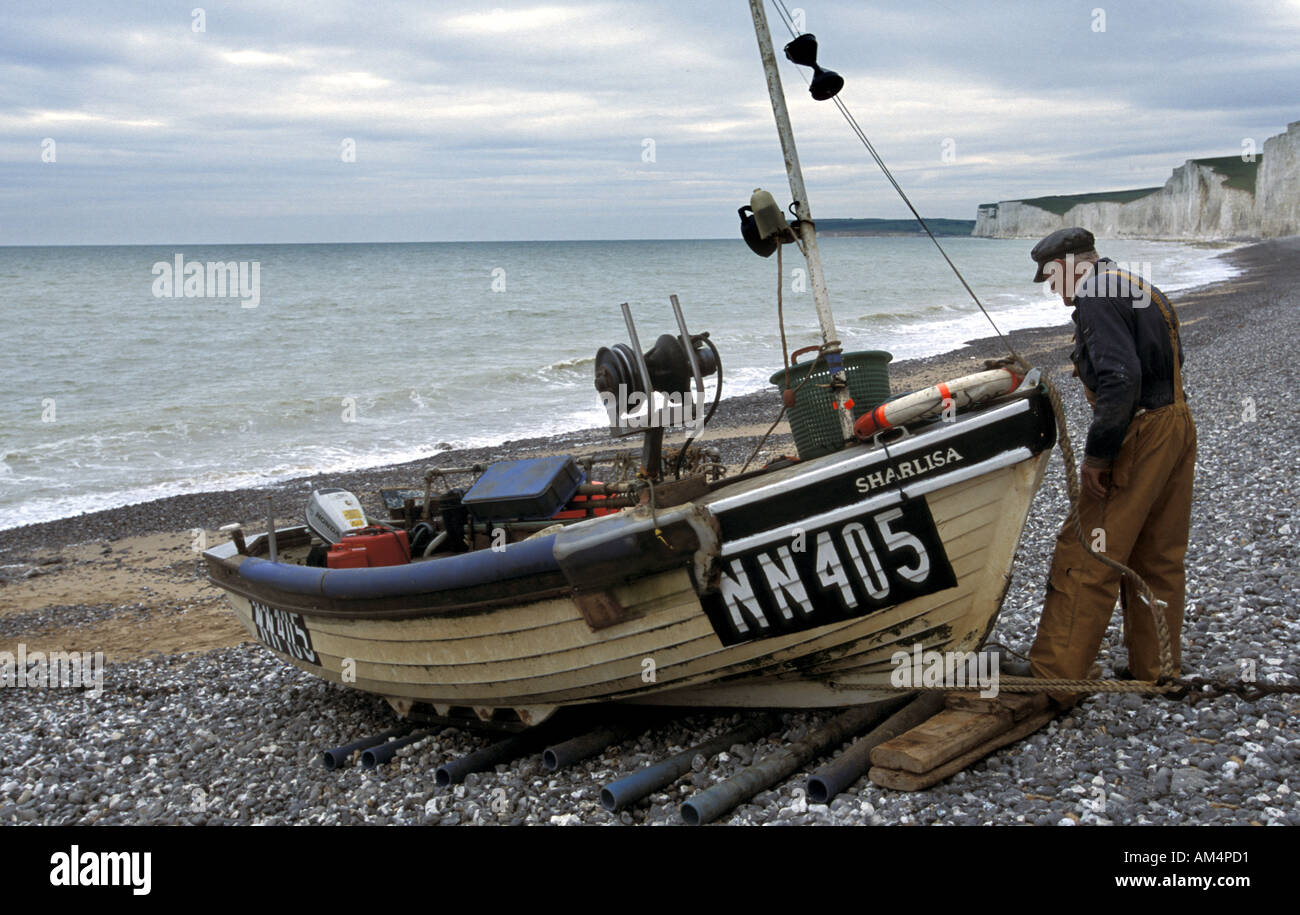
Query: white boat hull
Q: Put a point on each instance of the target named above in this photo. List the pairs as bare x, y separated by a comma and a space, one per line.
534, 656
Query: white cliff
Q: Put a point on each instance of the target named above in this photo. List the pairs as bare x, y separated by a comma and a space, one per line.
1223, 198
1277, 186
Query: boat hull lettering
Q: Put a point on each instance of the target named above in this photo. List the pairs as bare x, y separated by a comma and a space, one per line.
284, 632
829, 574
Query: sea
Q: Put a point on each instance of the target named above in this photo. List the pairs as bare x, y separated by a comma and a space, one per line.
131, 373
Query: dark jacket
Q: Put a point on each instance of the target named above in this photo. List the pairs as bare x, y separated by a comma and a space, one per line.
1122, 352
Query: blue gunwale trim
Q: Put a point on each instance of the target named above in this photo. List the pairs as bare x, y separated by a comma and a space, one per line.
518, 560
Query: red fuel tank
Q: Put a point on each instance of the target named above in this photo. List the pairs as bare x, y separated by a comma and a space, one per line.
368, 548
577, 508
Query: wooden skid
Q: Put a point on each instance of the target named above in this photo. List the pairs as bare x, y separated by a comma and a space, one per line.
964, 733
910, 781
945, 736
1020, 705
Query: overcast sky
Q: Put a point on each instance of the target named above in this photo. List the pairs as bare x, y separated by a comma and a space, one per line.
525, 120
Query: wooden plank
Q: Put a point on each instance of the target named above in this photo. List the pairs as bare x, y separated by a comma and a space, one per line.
1021, 705
671, 592
910, 781
945, 736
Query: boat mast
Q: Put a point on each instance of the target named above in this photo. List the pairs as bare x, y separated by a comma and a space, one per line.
834, 362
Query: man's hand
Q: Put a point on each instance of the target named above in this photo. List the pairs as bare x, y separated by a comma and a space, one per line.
1094, 477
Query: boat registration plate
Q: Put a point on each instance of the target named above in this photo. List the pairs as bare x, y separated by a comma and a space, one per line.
284, 632
809, 578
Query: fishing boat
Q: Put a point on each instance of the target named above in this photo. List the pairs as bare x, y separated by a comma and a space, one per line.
531, 586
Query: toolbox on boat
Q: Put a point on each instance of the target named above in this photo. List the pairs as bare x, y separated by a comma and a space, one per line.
368, 549
527, 490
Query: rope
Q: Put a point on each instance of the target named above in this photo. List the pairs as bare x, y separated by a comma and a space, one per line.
807, 378
645, 482
794, 390
1192, 689
754, 453
1165, 683
785, 359
1203, 688
788, 19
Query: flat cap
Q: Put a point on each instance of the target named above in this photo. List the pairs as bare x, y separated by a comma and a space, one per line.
1060, 243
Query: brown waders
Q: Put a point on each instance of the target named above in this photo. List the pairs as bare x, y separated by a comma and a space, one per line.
1143, 522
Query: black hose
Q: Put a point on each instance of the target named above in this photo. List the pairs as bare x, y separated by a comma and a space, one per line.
717, 396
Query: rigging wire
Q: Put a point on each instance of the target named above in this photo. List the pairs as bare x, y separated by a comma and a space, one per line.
788, 20
717, 396
785, 356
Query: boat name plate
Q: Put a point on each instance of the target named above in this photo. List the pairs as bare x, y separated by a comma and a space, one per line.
829, 574
284, 632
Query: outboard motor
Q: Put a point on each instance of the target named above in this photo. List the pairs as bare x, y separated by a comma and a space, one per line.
331, 513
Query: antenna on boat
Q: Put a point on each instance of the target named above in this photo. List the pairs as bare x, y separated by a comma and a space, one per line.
270, 529
804, 226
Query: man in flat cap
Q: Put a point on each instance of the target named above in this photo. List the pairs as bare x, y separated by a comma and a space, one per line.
1136, 478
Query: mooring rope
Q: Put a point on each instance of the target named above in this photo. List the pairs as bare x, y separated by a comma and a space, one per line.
1166, 681
785, 357
1163, 683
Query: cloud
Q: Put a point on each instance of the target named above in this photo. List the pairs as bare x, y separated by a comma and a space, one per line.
525, 119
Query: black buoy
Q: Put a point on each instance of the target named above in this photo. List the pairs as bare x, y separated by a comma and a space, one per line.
763, 247
802, 51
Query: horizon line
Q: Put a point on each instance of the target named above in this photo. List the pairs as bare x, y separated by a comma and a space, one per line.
463, 241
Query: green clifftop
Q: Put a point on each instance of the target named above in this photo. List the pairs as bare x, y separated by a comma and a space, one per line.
846, 227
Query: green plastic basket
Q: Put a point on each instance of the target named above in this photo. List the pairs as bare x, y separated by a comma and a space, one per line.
813, 419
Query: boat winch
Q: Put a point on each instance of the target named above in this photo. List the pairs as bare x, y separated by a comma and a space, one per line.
619, 370
628, 381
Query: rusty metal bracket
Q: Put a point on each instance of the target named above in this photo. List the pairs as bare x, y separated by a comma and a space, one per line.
601, 609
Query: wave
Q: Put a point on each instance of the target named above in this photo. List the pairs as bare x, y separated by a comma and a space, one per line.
275, 419
577, 362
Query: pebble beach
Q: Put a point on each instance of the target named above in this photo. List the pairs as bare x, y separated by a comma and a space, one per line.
199, 725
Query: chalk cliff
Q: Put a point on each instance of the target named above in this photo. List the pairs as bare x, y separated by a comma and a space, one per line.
1277, 186
1220, 198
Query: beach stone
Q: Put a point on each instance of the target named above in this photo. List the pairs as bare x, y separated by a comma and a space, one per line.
196, 723
1186, 780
